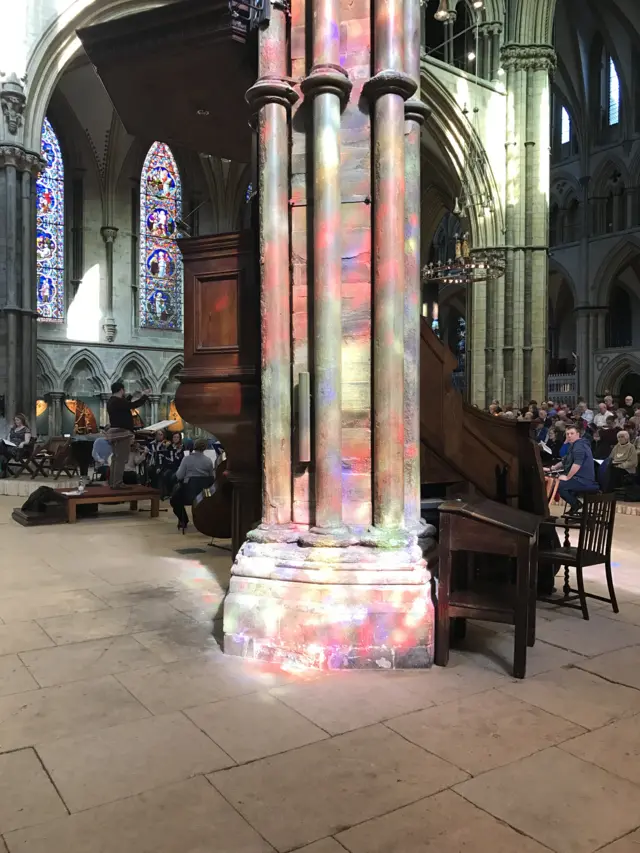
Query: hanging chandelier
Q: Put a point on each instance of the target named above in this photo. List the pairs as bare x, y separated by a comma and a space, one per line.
468, 266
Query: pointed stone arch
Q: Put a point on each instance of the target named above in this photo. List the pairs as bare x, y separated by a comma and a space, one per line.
96, 370
622, 254
613, 372
48, 378
171, 369
136, 362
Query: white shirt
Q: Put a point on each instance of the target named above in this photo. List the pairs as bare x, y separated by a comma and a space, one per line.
600, 420
587, 416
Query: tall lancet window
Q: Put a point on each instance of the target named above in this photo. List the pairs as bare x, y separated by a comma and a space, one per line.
160, 260
50, 229
614, 94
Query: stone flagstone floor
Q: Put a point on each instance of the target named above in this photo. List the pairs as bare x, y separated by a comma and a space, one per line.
123, 729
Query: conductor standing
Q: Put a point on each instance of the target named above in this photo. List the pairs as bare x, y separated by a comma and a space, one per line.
120, 410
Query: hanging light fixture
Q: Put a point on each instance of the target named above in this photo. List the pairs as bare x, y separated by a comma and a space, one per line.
443, 13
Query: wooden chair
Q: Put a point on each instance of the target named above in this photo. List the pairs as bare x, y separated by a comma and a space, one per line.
497, 531
594, 548
23, 460
552, 484
56, 458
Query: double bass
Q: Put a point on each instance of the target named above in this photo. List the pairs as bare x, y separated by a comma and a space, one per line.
211, 509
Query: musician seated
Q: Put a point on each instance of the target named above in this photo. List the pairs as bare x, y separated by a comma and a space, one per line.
174, 458
14, 446
158, 452
136, 457
195, 473
579, 470
101, 454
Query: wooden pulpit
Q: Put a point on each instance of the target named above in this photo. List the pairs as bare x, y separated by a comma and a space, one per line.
220, 382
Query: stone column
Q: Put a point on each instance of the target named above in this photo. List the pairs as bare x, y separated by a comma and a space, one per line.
299, 595
154, 400
387, 90
271, 97
526, 291
583, 336
18, 170
109, 234
328, 86
104, 416
415, 114
56, 401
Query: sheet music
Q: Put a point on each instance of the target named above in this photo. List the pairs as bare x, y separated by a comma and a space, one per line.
156, 427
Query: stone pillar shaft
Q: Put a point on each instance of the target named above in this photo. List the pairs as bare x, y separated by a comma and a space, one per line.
271, 95
389, 88
18, 169
328, 85
415, 114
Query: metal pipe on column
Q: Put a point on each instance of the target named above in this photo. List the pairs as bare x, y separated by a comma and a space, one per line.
109, 234
329, 87
415, 113
271, 97
388, 89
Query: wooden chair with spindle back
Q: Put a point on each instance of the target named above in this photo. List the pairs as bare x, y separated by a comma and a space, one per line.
594, 548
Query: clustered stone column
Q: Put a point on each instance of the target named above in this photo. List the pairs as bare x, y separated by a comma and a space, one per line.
528, 69
18, 312
334, 576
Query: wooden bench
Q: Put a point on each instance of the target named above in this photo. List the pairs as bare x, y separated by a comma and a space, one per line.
106, 495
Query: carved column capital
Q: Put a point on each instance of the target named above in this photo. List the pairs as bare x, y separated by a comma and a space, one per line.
13, 100
271, 90
109, 233
528, 57
389, 82
416, 110
327, 79
21, 159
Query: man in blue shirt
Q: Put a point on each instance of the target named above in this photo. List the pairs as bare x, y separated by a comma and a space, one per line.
579, 470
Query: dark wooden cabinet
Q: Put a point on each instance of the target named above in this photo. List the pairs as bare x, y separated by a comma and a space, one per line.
220, 382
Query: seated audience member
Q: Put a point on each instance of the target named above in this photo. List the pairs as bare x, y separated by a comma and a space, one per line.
494, 409
607, 437
195, 473
608, 401
600, 419
623, 461
14, 445
101, 455
136, 458
628, 407
555, 440
158, 455
579, 471
551, 409
584, 413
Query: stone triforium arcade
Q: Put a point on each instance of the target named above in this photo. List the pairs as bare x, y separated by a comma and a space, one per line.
335, 576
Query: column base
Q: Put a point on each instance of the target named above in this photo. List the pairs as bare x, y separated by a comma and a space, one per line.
324, 607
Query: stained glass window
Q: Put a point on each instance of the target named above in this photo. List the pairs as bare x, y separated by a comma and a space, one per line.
50, 230
614, 94
160, 259
565, 126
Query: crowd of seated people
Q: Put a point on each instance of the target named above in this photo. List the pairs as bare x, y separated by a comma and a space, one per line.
571, 438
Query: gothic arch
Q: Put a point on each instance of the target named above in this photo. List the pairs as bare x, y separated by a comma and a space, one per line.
618, 257
176, 363
614, 372
600, 180
557, 267
48, 378
55, 49
89, 357
139, 363
456, 137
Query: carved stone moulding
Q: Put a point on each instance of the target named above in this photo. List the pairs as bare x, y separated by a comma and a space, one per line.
528, 57
21, 159
13, 101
